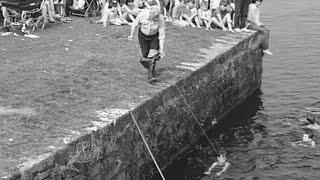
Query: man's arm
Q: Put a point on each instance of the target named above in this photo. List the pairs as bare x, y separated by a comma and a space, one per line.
161, 35
133, 26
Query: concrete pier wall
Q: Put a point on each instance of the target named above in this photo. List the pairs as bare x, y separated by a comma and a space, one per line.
167, 120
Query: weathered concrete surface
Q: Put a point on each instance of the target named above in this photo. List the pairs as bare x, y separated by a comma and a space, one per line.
229, 72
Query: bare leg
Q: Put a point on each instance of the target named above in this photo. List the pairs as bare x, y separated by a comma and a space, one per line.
103, 13
207, 23
210, 168
152, 65
216, 22
45, 12
106, 18
225, 167
188, 19
196, 19
227, 20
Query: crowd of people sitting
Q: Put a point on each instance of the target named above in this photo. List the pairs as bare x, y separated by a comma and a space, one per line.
210, 14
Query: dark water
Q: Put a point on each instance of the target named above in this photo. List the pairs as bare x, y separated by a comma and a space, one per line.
258, 136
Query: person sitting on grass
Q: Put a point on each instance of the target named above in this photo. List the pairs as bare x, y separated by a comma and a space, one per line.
190, 14
185, 14
222, 16
253, 23
231, 7
112, 13
204, 15
131, 11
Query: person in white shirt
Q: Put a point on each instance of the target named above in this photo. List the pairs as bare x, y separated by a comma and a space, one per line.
151, 37
214, 4
253, 23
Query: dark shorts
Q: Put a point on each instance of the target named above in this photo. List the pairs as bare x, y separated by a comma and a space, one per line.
147, 43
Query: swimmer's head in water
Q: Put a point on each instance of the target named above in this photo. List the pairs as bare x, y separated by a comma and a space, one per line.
311, 119
311, 136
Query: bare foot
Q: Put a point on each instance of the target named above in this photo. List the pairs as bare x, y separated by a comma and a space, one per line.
267, 52
237, 30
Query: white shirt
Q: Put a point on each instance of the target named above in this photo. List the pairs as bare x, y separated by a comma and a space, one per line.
254, 13
214, 4
150, 27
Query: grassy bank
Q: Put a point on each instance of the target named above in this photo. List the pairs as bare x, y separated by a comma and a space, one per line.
51, 87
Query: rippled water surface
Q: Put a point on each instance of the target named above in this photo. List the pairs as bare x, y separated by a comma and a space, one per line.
258, 137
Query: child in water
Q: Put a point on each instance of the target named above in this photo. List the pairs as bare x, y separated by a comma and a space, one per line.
307, 141
222, 162
310, 122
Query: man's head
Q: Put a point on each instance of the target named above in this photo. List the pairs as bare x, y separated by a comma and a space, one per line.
154, 13
311, 119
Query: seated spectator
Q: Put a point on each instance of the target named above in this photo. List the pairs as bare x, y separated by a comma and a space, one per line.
78, 4
204, 15
221, 16
191, 15
47, 9
253, 23
112, 12
231, 7
186, 13
131, 10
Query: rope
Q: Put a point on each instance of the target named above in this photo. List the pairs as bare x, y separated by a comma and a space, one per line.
145, 142
195, 118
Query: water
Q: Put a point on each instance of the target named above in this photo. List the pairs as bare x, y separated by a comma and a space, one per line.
258, 136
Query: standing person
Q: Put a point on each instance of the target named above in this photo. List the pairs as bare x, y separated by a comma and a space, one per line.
241, 12
253, 23
47, 9
151, 37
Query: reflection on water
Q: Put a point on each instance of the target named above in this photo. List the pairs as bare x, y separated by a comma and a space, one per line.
258, 138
